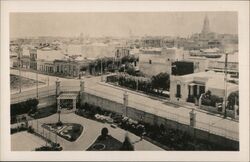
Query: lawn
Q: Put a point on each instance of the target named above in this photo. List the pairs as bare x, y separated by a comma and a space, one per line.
108, 144
26, 82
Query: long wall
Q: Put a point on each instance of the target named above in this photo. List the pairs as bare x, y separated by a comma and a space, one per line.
153, 119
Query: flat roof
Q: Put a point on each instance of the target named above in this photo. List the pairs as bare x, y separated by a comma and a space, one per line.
68, 96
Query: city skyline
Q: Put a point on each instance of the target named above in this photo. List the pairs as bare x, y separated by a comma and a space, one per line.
182, 24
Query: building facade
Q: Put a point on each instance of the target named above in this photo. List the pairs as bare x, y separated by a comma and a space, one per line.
156, 60
189, 88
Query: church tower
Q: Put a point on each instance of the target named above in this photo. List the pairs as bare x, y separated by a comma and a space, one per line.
205, 29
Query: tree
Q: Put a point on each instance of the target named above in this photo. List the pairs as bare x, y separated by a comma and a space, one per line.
127, 145
161, 81
233, 99
209, 99
104, 133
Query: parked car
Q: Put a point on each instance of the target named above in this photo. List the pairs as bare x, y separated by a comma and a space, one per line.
113, 125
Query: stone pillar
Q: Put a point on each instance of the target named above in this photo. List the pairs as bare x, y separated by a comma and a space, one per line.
200, 100
58, 89
74, 104
192, 115
82, 85
191, 90
198, 89
125, 102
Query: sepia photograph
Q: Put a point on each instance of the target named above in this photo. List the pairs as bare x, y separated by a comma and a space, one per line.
98, 81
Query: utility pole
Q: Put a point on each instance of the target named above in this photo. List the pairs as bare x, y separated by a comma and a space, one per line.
36, 83
19, 68
225, 83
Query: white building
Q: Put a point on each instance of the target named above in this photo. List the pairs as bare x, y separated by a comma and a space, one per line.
155, 60
193, 85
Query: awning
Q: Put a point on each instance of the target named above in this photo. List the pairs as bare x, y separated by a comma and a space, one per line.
71, 96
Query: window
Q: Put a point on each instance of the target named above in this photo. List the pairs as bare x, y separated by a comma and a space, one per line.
178, 91
150, 61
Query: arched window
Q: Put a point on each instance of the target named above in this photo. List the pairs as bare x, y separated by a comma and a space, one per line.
178, 91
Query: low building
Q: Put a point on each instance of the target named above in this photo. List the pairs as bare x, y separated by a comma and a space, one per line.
71, 67
185, 87
45, 59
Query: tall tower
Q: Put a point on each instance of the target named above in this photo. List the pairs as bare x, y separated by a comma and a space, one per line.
205, 29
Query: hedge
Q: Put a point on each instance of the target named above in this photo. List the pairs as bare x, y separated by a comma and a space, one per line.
23, 107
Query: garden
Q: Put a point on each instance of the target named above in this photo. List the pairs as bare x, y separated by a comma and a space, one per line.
106, 142
68, 131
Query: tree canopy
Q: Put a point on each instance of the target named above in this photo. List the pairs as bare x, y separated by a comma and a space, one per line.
161, 81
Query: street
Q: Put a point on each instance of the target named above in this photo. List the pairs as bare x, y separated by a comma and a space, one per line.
209, 122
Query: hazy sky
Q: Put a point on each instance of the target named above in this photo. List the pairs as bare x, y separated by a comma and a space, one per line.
120, 24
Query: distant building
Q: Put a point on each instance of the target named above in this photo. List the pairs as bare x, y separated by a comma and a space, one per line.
155, 60
46, 58
218, 65
152, 42
120, 52
70, 67
184, 67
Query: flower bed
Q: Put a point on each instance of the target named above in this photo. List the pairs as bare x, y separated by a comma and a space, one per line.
68, 131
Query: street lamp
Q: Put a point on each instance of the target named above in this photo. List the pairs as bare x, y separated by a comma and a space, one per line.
225, 86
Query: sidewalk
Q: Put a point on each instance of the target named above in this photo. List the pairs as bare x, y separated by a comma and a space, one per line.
196, 108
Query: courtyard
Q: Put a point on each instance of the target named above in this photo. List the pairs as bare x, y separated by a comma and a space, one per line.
24, 141
92, 130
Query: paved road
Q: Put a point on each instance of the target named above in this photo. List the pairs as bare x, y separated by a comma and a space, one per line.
209, 122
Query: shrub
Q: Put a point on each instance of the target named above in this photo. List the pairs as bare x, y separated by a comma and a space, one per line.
24, 107
127, 145
210, 100
30, 129
59, 123
104, 131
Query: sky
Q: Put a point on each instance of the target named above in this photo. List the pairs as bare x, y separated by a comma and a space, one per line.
95, 24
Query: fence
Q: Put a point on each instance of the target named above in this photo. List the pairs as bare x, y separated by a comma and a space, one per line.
50, 138
140, 110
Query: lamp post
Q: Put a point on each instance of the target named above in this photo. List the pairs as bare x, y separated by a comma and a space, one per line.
19, 68
225, 85
101, 71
